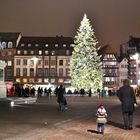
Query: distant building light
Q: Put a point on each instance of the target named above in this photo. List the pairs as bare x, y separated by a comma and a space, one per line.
29, 45
18, 80
46, 45
36, 45
22, 45
56, 45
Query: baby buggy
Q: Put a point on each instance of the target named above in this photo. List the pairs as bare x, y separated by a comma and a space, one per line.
63, 105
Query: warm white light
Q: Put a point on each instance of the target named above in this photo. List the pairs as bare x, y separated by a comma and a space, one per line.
35, 59
12, 103
135, 56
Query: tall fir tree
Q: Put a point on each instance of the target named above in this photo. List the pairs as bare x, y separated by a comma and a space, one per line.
86, 63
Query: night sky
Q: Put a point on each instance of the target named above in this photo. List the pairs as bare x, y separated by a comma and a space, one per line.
113, 20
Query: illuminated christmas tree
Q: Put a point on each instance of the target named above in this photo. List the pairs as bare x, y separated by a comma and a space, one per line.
86, 63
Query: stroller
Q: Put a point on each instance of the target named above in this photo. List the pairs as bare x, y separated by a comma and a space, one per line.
63, 105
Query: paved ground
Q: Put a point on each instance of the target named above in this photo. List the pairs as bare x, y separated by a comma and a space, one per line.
42, 120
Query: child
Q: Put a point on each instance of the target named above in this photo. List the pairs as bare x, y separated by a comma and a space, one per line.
101, 119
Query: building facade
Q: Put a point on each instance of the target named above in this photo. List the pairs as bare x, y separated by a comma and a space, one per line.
8, 45
134, 60
46, 60
110, 69
43, 60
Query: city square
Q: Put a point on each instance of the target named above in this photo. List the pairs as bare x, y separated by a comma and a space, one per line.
42, 120
69, 70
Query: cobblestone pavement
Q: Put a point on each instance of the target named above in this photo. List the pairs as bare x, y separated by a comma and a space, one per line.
79, 122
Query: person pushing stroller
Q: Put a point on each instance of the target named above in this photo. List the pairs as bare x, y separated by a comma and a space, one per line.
61, 99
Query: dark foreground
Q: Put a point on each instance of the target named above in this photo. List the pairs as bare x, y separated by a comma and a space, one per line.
43, 121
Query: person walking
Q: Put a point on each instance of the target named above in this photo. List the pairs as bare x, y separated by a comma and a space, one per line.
61, 99
128, 100
101, 119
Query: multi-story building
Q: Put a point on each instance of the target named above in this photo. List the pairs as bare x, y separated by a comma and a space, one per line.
43, 60
134, 60
110, 68
8, 44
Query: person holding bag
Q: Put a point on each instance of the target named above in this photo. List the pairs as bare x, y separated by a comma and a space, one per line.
101, 119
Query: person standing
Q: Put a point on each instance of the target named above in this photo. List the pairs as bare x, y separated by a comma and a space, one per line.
128, 100
101, 119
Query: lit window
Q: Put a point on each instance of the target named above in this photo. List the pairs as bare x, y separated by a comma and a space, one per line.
40, 52
31, 80
46, 45
139, 82
64, 45
46, 80
39, 80
29, 45
32, 52
24, 80
10, 44
3, 44
9, 63
36, 45
22, 45
71, 45
17, 80
46, 52
53, 52
18, 52
56, 45
61, 80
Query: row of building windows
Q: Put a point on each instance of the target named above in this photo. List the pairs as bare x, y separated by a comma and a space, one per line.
40, 52
42, 72
39, 80
26, 62
46, 45
6, 45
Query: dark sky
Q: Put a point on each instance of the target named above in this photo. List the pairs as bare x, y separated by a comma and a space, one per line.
113, 20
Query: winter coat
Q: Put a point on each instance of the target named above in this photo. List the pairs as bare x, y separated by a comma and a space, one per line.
60, 95
101, 115
127, 98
